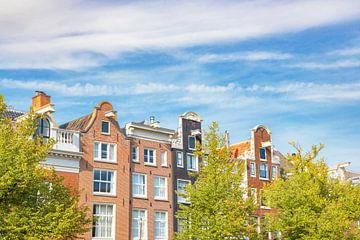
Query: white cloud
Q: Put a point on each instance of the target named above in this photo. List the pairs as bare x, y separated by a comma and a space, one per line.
247, 56
346, 52
348, 63
56, 34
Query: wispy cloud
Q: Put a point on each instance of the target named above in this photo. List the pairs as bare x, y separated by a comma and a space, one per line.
346, 52
74, 35
347, 63
245, 56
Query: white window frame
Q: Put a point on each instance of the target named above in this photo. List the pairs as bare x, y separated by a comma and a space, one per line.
273, 176
145, 221
166, 188
196, 162
189, 142
163, 158
113, 225
253, 194
148, 156
262, 159
132, 185
180, 199
267, 171
182, 159
253, 163
136, 147
106, 133
112, 183
166, 225
261, 197
99, 158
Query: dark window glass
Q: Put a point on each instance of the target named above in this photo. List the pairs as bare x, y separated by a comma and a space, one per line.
263, 171
97, 175
96, 186
43, 128
105, 127
103, 175
103, 151
262, 153
192, 142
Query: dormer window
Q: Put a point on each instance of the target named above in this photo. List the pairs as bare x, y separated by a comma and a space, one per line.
105, 127
43, 128
192, 142
263, 153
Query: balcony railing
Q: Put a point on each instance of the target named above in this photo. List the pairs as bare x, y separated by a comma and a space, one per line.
66, 140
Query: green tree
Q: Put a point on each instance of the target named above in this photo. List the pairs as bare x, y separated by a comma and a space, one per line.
219, 207
34, 204
310, 204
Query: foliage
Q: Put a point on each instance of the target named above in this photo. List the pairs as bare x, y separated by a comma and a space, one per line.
310, 204
34, 204
218, 208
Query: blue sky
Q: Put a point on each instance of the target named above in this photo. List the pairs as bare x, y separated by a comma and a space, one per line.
291, 65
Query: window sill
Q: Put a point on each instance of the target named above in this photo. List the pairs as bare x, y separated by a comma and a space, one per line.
104, 161
150, 165
104, 194
104, 133
141, 197
184, 202
135, 161
193, 170
161, 199
179, 166
263, 160
264, 207
264, 179
253, 176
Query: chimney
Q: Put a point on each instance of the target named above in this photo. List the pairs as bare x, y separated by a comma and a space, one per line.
40, 100
153, 122
227, 139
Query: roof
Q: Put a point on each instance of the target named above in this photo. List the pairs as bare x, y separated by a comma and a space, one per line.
12, 113
143, 125
349, 174
240, 148
77, 124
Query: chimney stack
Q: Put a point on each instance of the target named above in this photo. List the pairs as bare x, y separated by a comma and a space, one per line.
40, 100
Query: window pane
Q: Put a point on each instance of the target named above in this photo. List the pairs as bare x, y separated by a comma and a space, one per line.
104, 151
105, 127
96, 150
192, 142
112, 152
262, 153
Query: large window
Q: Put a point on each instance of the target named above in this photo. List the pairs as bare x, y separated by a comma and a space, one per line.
149, 156
179, 159
160, 188
105, 127
192, 142
160, 225
164, 158
181, 189
263, 171
139, 224
104, 182
134, 153
139, 185
104, 221
192, 162
252, 169
263, 153
105, 152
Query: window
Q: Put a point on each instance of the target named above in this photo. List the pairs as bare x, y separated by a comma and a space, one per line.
139, 224
255, 221
263, 201
105, 127
274, 172
134, 153
252, 169
139, 185
104, 221
181, 190
160, 188
105, 152
179, 159
192, 162
263, 171
149, 156
263, 153
104, 182
163, 158
192, 142
43, 128
180, 224
160, 225
253, 193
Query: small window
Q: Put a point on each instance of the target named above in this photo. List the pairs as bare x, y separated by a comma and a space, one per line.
104, 152
163, 158
103, 182
160, 188
105, 127
139, 185
274, 172
149, 156
252, 169
192, 142
134, 153
263, 171
179, 159
263, 153
192, 162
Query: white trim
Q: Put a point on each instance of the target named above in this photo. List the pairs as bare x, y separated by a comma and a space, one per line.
254, 169
189, 142
196, 169
276, 174
166, 188
262, 159
166, 158
177, 189
182, 159
113, 193
267, 171
146, 224
108, 152
137, 153
113, 226
132, 185
166, 224
154, 156
105, 133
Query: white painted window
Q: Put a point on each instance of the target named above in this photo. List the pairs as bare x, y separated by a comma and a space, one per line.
274, 172
104, 182
181, 189
139, 185
179, 159
252, 169
139, 224
105, 127
160, 225
104, 221
263, 171
134, 153
160, 188
191, 142
104, 152
164, 158
149, 156
253, 193
192, 162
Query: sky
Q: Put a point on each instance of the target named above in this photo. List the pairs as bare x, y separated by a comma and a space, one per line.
293, 66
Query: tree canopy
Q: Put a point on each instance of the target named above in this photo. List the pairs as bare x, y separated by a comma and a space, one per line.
220, 208
34, 203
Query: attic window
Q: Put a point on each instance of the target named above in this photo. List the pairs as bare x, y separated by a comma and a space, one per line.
263, 153
105, 127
